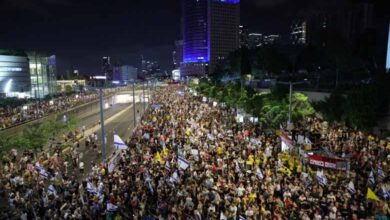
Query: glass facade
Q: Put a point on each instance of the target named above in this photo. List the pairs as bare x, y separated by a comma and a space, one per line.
43, 75
14, 74
195, 28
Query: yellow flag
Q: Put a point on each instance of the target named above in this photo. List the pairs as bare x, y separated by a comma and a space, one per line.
157, 158
371, 195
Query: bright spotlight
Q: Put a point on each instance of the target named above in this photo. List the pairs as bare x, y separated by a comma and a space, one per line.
7, 87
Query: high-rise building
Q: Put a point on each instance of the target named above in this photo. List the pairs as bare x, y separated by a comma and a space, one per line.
177, 54
125, 73
271, 39
107, 69
27, 74
388, 51
255, 40
243, 36
298, 32
210, 33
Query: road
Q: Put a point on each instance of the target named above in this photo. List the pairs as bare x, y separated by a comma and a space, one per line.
120, 121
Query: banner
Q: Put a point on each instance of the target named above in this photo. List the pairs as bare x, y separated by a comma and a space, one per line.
328, 162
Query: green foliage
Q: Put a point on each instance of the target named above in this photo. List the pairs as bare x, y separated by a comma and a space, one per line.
272, 109
68, 89
361, 107
36, 135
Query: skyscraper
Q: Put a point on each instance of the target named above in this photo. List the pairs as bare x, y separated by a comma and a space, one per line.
107, 69
210, 33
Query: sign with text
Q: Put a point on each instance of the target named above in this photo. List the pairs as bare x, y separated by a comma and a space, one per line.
328, 162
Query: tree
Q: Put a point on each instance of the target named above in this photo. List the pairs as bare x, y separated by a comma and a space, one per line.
332, 108
68, 89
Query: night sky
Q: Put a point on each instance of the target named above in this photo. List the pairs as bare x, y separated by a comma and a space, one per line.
81, 32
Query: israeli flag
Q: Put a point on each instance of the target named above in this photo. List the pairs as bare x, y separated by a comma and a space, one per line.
91, 189
371, 178
242, 218
183, 163
351, 187
238, 169
280, 164
321, 178
52, 190
111, 207
381, 174
386, 193
175, 177
38, 165
119, 144
44, 174
259, 174
309, 184
167, 166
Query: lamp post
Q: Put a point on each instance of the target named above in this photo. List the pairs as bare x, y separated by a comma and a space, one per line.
102, 125
291, 84
134, 104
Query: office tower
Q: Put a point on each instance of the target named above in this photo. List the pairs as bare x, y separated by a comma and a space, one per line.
210, 33
271, 39
298, 32
107, 69
243, 36
255, 40
125, 73
177, 54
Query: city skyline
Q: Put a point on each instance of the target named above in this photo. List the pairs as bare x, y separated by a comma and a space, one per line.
80, 33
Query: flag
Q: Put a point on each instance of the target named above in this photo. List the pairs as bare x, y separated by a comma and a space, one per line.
119, 144
242, 218
38, 165
158, 158
91, 189
351, 187
175, 177
52, 190
43, 173
381, 174
259, 174
371, 195
321, 178
167, 166
280, 164
183, 163
111, 207
386, 193
238, 169
371, 178
309, 184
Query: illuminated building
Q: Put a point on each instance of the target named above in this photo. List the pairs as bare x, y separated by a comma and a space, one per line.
210, 33
27, 74
298, 32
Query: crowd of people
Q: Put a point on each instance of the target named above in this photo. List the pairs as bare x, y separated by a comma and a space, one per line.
14, 116
188, 159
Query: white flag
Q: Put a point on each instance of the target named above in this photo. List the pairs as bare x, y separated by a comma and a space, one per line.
371, 178
119, 144
111, 207
351, 187
259, 174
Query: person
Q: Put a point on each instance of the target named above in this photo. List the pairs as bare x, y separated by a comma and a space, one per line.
81, 167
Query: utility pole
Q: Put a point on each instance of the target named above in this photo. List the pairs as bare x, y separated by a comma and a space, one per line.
143, 94
102, 125
134, 108
291, 84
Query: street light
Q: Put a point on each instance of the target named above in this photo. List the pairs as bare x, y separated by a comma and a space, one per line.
289, 124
